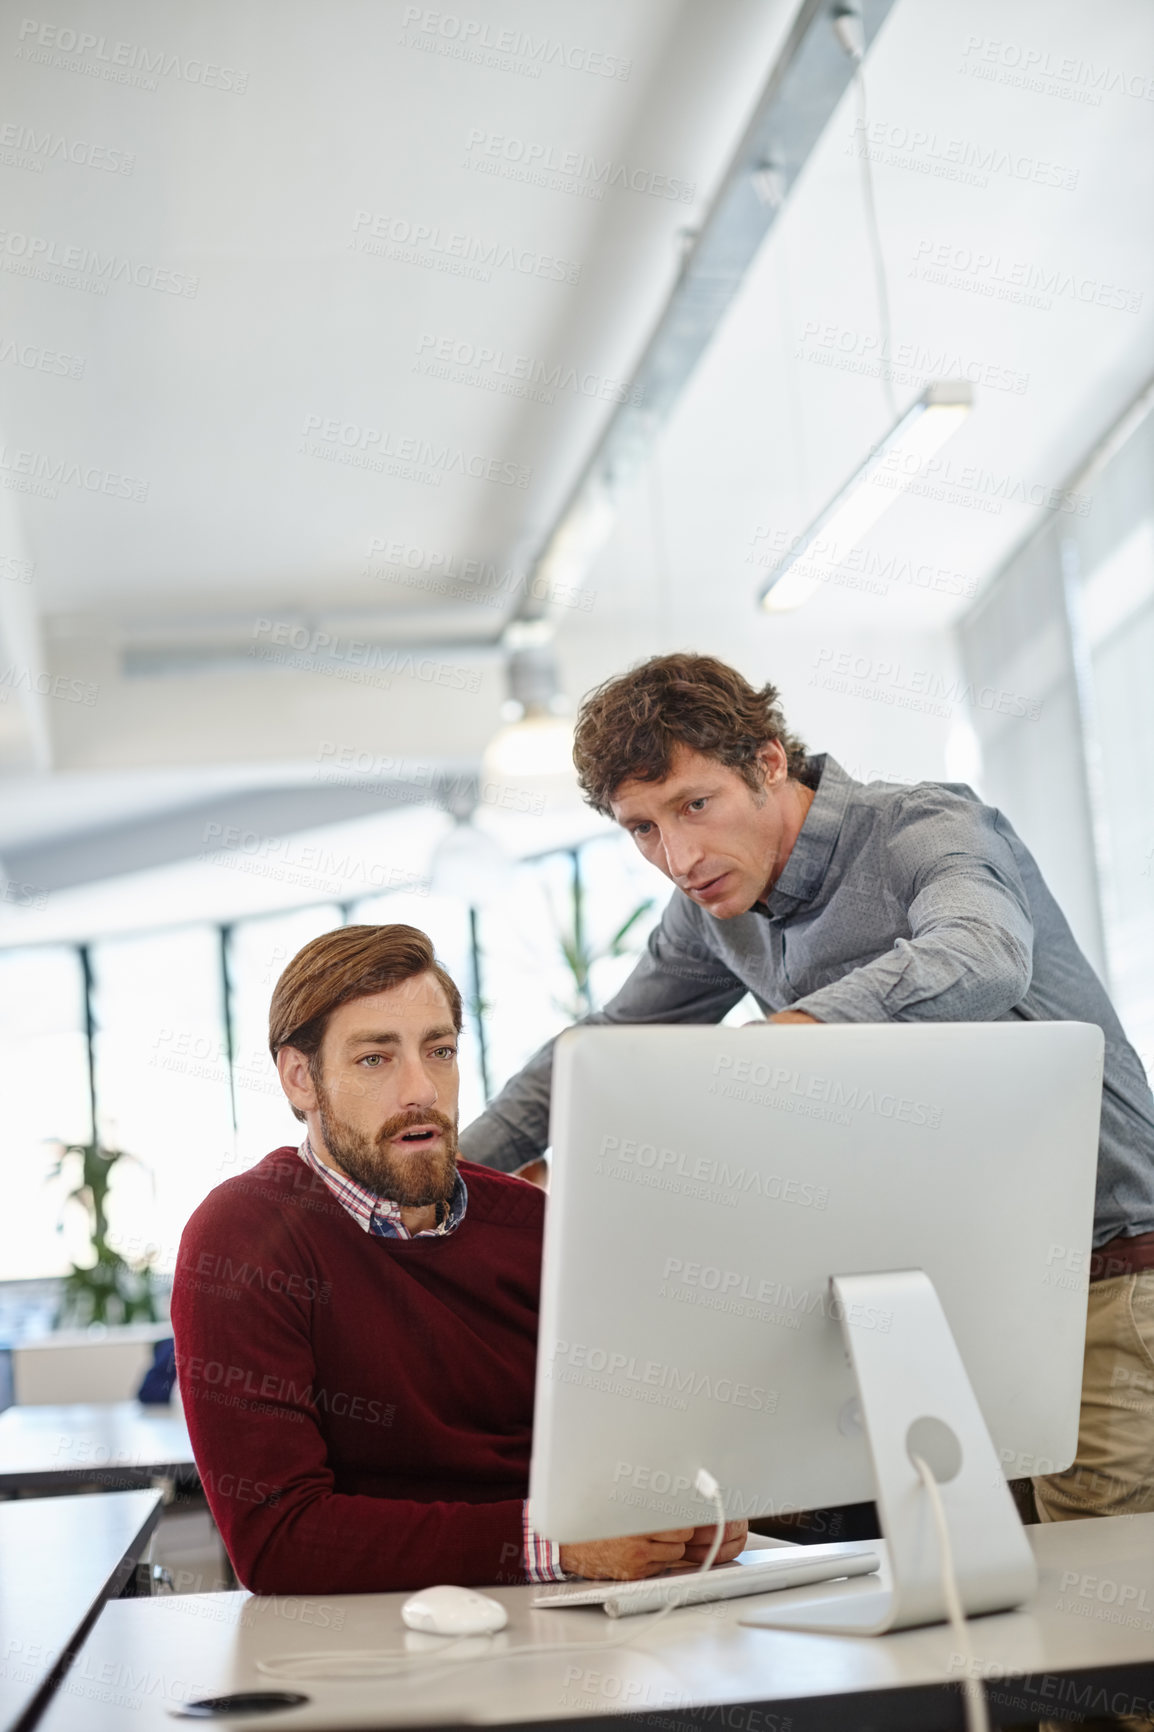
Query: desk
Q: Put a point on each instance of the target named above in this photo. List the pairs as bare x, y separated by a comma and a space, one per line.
698, 1667
78, 1365
60, 1560
117, 1444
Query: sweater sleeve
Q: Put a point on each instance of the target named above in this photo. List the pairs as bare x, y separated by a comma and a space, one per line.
248, 1380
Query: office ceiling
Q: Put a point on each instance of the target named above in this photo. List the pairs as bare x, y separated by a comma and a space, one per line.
286, 290
316, 247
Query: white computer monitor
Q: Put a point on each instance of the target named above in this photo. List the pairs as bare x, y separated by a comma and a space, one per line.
708, 1183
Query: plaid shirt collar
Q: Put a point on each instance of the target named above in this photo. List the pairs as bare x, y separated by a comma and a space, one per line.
377, 1215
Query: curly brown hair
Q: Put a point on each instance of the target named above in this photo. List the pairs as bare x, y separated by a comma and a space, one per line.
628, 728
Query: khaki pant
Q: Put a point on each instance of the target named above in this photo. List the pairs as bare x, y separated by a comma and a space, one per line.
1113, 1471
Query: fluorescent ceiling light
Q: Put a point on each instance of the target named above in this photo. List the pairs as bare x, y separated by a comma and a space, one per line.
892, 466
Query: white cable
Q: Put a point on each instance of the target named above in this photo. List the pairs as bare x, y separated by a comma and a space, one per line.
977, 1717
706, 1486
847, 26
351, 1663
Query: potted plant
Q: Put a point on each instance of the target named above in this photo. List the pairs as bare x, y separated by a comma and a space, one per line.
110, 1289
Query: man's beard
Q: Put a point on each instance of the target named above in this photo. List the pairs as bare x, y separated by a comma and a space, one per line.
426, 1174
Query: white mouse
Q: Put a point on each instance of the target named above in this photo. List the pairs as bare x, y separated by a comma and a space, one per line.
453, 1612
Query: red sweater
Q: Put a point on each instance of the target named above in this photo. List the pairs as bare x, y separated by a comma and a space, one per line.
360, 1408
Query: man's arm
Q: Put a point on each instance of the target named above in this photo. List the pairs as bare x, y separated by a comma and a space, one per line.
679, 979
969, 956
247, 1380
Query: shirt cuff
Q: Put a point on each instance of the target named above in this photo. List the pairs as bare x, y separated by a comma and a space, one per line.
542, 1556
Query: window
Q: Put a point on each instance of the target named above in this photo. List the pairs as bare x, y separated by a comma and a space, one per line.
1068, 629
44, 1087
161, 1081
192, 1108
1111, 565
532, 990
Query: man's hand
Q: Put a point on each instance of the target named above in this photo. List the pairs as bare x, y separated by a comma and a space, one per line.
536, 1172
732, 1542
648, 1554
784, 1016
630, 1559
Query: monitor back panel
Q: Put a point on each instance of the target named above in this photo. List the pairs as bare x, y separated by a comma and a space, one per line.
706, 1185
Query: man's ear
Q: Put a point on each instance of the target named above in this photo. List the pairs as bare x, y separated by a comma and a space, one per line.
296, 1079
773, 762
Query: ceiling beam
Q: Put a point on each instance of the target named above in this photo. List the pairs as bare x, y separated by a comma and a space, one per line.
808, 80
239, 820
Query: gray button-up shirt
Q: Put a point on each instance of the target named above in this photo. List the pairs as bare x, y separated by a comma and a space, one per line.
896, 904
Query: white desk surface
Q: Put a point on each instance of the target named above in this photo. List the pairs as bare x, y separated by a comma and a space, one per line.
60, 1558
116, 1442
146, 1656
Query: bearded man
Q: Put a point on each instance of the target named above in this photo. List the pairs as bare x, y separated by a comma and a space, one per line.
356, 1318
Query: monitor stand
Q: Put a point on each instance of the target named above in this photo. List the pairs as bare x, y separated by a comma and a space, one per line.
916, 1399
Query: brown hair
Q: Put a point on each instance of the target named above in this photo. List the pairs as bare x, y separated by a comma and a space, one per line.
352, 962
627, 729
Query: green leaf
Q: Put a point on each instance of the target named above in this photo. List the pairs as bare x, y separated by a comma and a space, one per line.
616, 943
572, 955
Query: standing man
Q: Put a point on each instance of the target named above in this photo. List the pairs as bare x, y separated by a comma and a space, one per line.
831, 900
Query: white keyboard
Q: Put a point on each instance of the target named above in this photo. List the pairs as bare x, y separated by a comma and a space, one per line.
784, 1567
